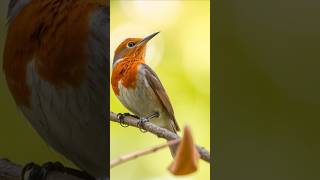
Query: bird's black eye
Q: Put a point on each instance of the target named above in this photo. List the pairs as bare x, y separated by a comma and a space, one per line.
131, 44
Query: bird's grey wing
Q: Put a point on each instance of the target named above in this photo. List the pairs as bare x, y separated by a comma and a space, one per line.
97, 89
159, 90
99, 56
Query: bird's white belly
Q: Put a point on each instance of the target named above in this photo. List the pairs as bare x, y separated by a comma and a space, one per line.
71, 120
142, 101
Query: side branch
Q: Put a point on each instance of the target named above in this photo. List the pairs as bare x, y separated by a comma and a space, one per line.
158, 131
137, 154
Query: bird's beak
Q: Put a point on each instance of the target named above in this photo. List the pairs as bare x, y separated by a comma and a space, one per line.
148, 38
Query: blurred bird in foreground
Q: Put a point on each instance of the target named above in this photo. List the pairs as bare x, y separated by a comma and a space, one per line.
138, 87
56, 64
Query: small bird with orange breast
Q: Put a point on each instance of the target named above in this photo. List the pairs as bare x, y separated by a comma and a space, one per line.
56, 61
138, 87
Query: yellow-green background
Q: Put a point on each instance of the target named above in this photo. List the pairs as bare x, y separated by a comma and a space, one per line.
180, 55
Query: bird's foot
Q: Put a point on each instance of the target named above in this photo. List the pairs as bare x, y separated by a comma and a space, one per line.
143, 120
121, 117
36, 172
40, 172
141, 123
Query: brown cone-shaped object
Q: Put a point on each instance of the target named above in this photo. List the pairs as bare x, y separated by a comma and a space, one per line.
187, 156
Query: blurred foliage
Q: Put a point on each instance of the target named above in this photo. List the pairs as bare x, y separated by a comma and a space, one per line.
266, 89
181, 57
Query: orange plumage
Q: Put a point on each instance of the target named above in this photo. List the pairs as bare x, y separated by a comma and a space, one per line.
60, 59
126, 70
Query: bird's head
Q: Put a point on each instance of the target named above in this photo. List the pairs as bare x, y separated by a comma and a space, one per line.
132, 48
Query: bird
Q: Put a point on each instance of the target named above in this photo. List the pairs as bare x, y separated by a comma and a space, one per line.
139, 88
55, 62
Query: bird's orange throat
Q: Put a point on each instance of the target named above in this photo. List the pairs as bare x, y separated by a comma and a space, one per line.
126, 72
53, 34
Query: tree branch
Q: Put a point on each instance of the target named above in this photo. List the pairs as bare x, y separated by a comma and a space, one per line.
9, 170
158, 131
12, 171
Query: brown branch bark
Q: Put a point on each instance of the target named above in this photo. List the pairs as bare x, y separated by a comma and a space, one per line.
12, 171
158, 131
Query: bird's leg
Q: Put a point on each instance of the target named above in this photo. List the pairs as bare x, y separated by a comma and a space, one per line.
41, 172
153, 115
121, 117
143, 120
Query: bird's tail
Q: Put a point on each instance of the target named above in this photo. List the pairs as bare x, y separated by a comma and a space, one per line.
173, 148
169, 125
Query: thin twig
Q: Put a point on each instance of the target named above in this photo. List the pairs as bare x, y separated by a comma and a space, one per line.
140, 153
158, 131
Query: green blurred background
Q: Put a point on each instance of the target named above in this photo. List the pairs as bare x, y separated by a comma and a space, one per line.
266, 89
180, 55
18, 141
